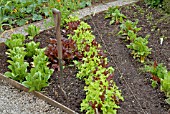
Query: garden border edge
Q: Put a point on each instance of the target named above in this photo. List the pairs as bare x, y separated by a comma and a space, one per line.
37, 94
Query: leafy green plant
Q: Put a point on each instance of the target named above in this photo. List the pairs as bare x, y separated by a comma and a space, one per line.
85, 3
153, 2
131, 36
3, 17
165, 86
129, 25
17, 65
160, 75
16, 51
115, 15
102, 95
40, 73
139, 48
16, 40
31, 48
81, 33
158, 72
32, 31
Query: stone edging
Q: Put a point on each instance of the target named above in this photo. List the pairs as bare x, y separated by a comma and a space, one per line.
81, 14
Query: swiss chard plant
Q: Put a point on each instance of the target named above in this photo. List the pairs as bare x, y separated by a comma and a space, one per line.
115, 15
139, 48
165, 86
158, 71
129, 26
131, 36
160, 75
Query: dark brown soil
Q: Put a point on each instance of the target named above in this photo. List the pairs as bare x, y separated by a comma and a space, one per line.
140, 97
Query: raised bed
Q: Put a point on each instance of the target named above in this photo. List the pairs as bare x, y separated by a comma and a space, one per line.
140, 97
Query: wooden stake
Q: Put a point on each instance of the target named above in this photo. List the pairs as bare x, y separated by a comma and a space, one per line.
57, 20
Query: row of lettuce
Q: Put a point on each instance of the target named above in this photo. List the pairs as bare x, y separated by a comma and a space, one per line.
33, 75
29, 65
139, 49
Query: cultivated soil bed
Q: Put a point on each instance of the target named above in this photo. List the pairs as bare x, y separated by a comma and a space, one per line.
135, 85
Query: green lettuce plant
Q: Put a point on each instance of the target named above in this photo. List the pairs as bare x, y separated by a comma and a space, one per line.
17, 51
17, 65
40, 73
32, 31
31, 48
16, 40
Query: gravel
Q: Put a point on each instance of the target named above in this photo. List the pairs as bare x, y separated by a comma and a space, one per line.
14, 101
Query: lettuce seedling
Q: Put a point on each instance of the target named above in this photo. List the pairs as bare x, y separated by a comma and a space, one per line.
31, 48
102, 95
17, 65
18, 70
32, 31
40, 73
17, 51
16, 40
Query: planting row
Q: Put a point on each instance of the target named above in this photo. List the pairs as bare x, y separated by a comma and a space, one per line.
32, 73
30, 65
138, 45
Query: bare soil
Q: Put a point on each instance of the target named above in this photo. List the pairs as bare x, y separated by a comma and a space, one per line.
140, 97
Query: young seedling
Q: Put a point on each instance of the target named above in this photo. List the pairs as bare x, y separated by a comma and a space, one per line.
127, 26
32, 31
139, 48
115, 15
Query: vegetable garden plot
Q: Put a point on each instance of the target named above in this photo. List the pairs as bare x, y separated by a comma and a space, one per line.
100, 88
136, 87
